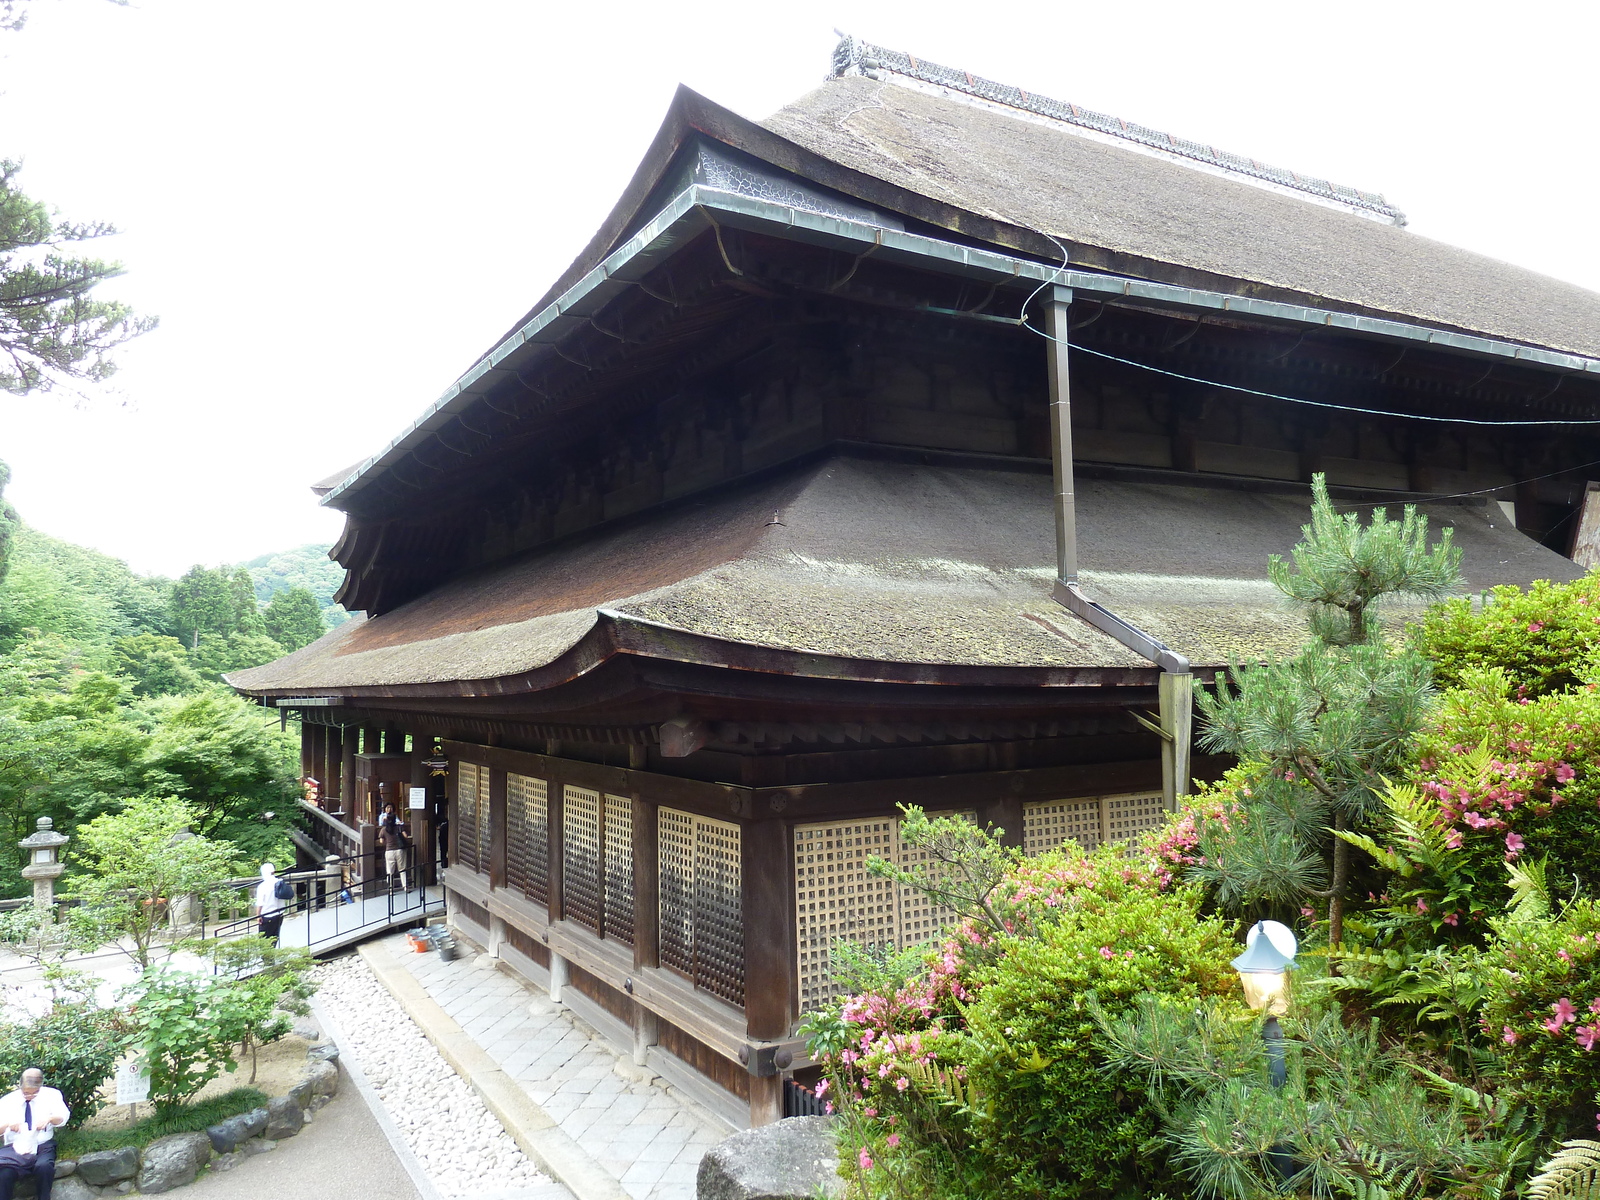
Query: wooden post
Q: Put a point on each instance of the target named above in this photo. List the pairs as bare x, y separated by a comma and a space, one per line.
766, 1099
308, 751
556, 812
422, 849
496, 849
646, 885
347, 777
646, 1033
770, 985
1006, 812
1175, 697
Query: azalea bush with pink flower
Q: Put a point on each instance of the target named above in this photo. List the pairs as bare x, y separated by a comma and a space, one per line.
1545, 638
1542, 1014
980, 1074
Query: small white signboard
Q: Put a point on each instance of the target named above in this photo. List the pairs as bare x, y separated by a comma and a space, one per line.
419, 797
133, 1083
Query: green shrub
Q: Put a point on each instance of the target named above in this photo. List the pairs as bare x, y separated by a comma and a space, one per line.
186, 1118
1543, 1009
1545, 638
75, 1045
186, 1028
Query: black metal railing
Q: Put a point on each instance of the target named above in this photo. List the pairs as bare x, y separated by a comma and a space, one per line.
801, 1101
333, 903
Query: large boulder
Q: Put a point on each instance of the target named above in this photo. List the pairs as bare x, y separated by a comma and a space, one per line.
285, 1116
787, 1160
323, 1078
226, 1136
105, 1167
171, 1162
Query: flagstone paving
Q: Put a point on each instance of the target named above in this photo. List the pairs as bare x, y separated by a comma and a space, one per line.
647, 1139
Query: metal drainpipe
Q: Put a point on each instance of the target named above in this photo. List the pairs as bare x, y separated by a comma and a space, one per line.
1175, 688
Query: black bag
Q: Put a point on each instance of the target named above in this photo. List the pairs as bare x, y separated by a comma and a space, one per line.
284, 890
11, 1157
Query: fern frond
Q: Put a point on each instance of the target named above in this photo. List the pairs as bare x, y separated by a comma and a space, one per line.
1530, 891
1572, 1173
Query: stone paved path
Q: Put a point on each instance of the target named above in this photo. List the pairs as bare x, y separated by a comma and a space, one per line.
639, 1133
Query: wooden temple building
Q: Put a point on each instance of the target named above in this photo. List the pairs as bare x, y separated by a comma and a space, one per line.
904, 447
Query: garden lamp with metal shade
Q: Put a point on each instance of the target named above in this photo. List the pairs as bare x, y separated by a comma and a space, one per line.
1264, 970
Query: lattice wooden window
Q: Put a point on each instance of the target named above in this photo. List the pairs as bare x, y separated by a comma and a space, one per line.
702, 902
580, 869
1090, 821
528, 836
836, 898
675, 842
619, 868
1046, 826
472, 816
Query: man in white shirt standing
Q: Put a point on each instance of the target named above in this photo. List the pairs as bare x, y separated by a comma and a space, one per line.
269, 905
30, 1115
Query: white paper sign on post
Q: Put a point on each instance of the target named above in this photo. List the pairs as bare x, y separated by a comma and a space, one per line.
133, 1083
419, 797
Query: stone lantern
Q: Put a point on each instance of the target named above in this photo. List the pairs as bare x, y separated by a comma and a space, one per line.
44, 865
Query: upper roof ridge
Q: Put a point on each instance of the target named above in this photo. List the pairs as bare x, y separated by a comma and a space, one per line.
853, 56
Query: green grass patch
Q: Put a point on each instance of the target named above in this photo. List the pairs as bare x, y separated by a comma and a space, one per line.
191, 1118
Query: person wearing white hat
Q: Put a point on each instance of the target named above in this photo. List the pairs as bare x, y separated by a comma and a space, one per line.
270, 901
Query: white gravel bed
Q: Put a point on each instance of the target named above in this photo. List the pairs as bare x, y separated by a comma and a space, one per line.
462, 1145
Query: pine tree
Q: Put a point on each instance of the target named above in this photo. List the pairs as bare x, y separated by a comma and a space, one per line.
202, 602
1323, 728
294, 618
246, 610
51, 329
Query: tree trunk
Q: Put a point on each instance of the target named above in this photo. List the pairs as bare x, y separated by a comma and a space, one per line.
1337, 886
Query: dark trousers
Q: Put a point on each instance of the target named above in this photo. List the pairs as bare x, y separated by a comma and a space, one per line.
43, 1172
269, 924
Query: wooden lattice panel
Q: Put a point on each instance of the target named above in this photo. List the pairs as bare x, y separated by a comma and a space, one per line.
718, 910
619, 868
1126, 817
472, 815
675, 845
1046, 826
835, 897
527, 836
580, 855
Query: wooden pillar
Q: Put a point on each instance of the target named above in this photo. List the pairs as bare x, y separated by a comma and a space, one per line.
556, 812
1006, 813
497, 827
646, 884
766, 1099
347, 776
770, 986
422, 832
1176, 701
646, 1033
308, 751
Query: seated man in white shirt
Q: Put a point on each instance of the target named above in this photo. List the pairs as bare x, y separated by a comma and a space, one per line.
32, 1113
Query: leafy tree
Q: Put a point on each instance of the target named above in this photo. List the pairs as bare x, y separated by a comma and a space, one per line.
156, 665
51, 328
217, 755
202, 602
1318, 733
246, 612
216, 655
185, 1028
274, 982
76, 1046
294, 618
135, 862
304, 566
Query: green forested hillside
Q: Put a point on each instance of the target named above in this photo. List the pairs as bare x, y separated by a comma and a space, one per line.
304, 566
110, 689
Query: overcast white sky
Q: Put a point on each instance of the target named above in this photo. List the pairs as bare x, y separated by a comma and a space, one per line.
336, 206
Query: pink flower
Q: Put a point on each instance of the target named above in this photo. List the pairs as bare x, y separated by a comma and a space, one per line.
1565, 1013
1562, 954
827, 1106
1535, 626
1554, 1026
872, 1112
1514, 843
1422, 905
1565, 774
892, 1140
1509, 1037
901, 1084
1453, 842
865, 1160
1451, 919
1105, 951
1594, 1006
1587, 1036
821, 1088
